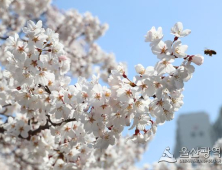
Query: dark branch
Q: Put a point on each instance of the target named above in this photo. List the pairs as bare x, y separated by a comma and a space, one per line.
46, 126
43, 127
46, 88
6, 109
2, 130
58, 124
3, 38
7, 105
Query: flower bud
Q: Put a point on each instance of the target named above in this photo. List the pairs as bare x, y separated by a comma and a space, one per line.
140, 69
62, 58
197, 59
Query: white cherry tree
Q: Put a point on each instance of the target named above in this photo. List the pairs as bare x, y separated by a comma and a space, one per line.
49, 123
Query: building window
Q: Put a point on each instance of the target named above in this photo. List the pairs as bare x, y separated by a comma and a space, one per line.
201, 133
193, 134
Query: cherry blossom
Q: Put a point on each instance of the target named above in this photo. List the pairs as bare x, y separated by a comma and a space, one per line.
50, 123
178, 31
153, 35
197, 59
5, 3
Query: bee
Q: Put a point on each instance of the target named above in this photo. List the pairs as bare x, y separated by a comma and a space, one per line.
210, 52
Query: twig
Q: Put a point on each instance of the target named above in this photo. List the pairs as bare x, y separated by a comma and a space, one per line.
3, 38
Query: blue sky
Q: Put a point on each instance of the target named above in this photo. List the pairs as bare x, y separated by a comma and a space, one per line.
128, 23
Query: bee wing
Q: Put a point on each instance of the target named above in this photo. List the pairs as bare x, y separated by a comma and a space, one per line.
205, 49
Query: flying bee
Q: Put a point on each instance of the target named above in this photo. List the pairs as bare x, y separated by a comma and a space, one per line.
210, 52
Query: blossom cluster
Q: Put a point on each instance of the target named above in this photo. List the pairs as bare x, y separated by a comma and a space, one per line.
5, 3
78, 35
67, 126
49, 123
15, 13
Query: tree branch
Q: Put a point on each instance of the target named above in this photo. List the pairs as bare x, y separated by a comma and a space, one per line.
2, 130
58, 124
3, 38
7, 105
46, 126
43, 127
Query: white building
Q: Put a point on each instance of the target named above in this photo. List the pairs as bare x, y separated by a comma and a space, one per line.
193, 130
217, 127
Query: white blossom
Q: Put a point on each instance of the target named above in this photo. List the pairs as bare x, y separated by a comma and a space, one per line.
5, 3
53, 124
153, 35
197, 59
178, 31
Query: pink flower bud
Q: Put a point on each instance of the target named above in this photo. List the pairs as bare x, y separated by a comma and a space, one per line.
62, 58
197, 59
